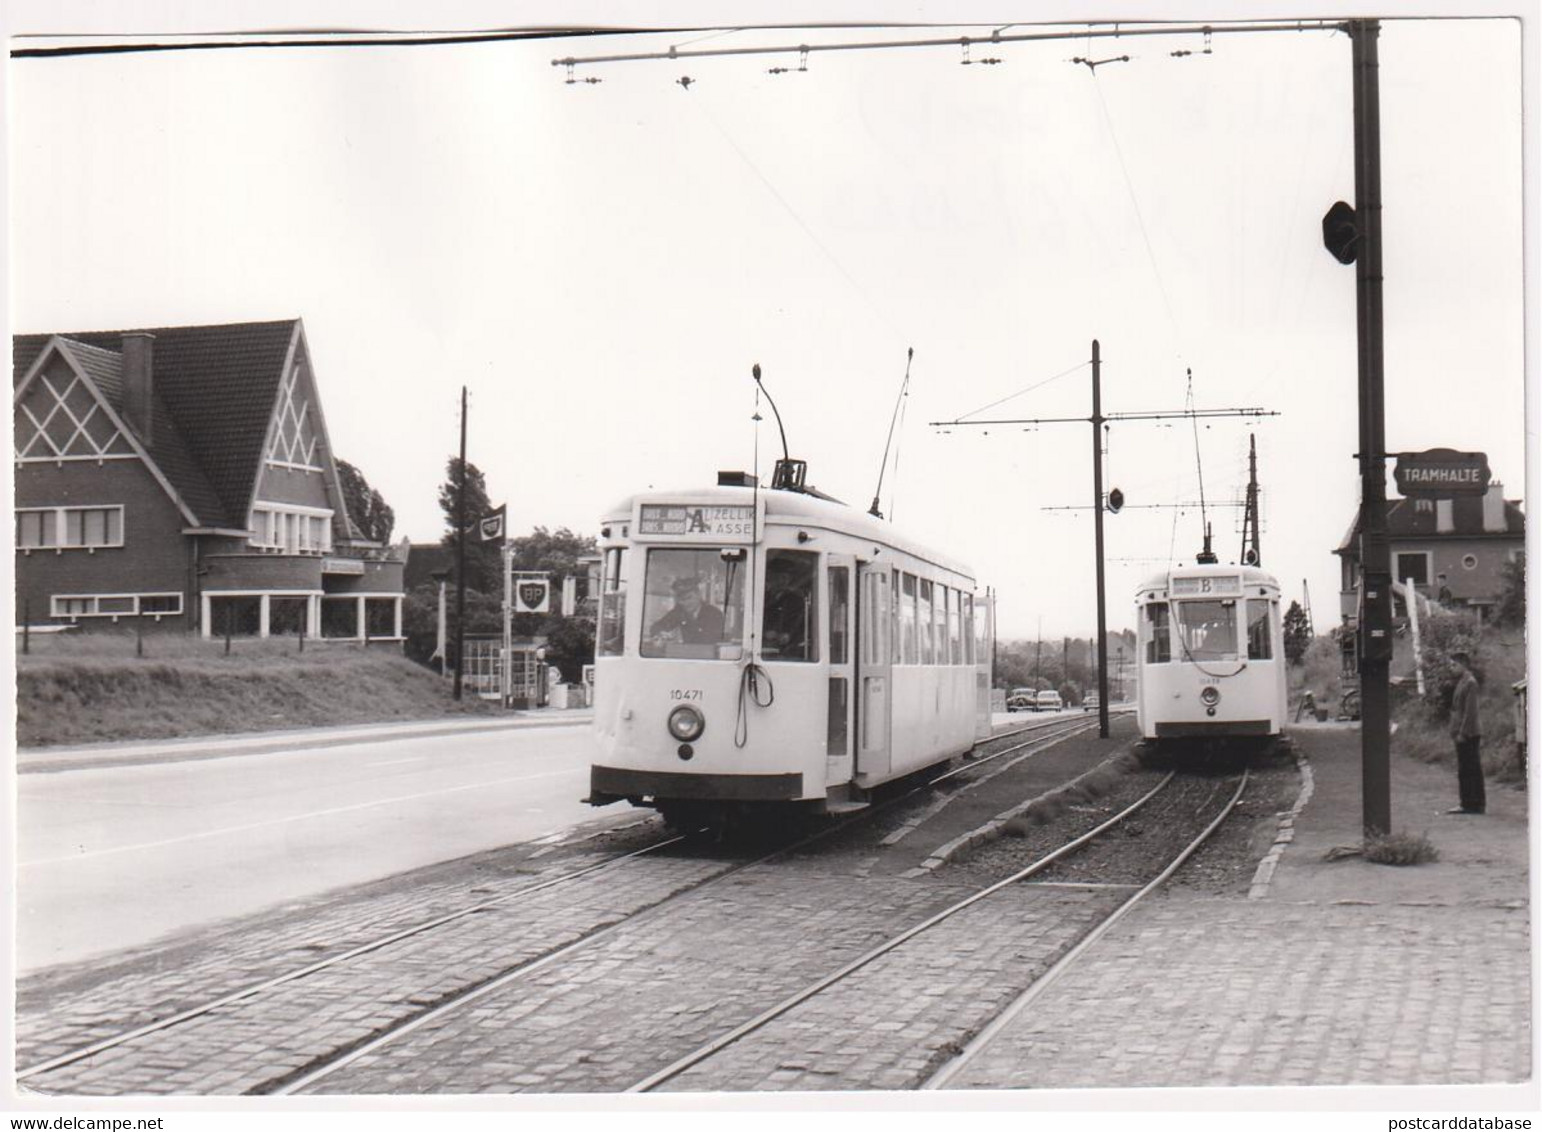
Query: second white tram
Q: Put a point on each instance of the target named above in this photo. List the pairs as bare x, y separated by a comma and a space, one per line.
1212, 658
763, 646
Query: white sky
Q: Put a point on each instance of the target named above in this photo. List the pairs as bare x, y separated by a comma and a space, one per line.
602, 264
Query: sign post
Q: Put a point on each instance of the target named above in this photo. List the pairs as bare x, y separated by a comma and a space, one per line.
1440, 473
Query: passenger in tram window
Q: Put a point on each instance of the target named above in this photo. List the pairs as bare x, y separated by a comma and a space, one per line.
698, 622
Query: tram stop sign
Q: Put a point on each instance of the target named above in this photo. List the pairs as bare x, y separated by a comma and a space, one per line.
1440, 473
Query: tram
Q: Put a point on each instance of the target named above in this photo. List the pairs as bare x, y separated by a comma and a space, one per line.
1212, 656
758, 648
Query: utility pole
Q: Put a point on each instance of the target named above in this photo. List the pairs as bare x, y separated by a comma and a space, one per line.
460, 555
1250, 550
1115, 498
1375, 554
1353, 235
1097, 503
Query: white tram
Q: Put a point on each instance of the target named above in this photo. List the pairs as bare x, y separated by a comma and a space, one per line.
1212, 657
776, 646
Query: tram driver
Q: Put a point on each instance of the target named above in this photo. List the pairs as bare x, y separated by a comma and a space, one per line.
698, 622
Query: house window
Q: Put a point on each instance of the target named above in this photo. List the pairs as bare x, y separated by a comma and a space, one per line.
69, 528
1412, 566
291, 530
1469, 562
156, 605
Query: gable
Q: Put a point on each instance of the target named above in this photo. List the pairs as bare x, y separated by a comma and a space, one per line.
58, 415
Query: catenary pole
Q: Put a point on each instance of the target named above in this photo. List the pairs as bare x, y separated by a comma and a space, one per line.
1097, 513
460, 554
1375, 556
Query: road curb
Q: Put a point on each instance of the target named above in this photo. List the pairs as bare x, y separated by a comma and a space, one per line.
43, 761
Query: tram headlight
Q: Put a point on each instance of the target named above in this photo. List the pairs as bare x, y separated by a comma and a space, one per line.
1210, 696
686, 724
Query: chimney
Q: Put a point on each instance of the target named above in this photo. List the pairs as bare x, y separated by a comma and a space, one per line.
1494, 509
139, 383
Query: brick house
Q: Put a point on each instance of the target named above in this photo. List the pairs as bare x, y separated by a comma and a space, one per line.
182, 477
1467, 540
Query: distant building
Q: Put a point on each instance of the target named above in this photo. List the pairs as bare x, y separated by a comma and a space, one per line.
182, 477
1466, 540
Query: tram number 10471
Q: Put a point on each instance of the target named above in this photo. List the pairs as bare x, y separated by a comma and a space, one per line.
685, 693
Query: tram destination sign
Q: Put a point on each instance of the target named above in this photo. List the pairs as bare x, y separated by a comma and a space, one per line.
707, 522
1441, 473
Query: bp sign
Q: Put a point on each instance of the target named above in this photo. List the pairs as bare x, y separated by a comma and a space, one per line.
1441, 473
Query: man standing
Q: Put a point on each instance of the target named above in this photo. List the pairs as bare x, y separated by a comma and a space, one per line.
1467, 735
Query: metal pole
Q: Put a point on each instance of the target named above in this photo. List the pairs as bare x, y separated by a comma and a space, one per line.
1097, 512
1375, 556
26, 627
460, 554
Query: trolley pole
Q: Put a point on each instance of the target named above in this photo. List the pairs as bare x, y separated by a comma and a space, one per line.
1097, 513
1375, 556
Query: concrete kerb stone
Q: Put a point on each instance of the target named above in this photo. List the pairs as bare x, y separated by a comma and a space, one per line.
1286, 832
46, 760
990, 830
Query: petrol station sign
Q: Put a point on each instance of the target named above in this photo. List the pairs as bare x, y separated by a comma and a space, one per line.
1440, 473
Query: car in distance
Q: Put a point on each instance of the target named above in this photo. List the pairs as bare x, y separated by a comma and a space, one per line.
1020, 699
1090, 702
1047, 700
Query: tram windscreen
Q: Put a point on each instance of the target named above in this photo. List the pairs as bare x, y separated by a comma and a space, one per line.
1207, 629
693, 603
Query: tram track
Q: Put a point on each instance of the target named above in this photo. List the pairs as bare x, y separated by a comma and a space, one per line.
949, 1060
221, 1005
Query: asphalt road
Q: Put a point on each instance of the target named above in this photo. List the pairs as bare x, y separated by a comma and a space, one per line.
114, 857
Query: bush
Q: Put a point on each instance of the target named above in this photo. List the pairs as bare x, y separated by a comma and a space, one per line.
1399, 849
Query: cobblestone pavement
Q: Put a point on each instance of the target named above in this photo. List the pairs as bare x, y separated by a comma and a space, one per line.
1338, 972
891, 1021
1199, 992
245, 1044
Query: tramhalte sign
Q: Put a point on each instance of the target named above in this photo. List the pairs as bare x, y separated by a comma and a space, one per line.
1441, 473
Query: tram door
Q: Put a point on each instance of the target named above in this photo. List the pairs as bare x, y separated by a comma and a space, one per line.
874, 756
843, 663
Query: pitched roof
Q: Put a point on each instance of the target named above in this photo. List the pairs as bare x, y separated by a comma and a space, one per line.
214, 390
1406, 521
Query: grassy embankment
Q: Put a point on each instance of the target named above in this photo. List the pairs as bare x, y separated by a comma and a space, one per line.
1422, 723
94, 688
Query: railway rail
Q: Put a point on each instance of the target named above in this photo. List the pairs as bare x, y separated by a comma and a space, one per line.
946, 1073
1034, 737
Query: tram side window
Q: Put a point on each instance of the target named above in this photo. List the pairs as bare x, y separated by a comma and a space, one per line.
955, 628
611, 631
940, 603
907, 607
791, 626
966, 604
837, 581
924, 620
1159, 648
693, 603
1259, 644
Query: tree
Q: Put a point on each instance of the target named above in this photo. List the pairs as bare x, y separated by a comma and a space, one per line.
369, 512
555, 551
1298, 633
483, 566
1511, 608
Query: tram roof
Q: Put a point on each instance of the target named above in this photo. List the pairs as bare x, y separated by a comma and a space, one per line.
797, 506
1251, 575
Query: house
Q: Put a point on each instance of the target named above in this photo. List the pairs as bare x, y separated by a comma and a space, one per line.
1459, 544
182, 477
